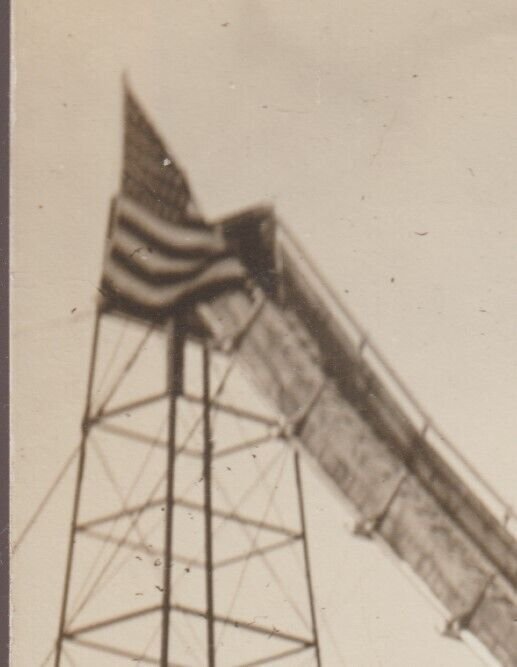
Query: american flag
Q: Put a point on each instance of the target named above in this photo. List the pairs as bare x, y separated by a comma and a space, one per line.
160, 252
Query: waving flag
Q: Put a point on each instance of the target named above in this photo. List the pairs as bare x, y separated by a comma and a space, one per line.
159, 250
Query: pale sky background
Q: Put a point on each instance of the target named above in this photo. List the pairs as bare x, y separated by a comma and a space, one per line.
363, 123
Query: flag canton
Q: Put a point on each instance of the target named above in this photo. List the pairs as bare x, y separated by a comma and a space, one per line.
150, 175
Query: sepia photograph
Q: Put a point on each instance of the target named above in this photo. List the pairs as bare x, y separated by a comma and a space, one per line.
263, 333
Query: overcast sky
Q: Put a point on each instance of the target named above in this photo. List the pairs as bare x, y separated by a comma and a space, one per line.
384, 134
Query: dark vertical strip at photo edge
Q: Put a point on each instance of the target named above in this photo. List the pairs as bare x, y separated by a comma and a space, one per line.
5, 60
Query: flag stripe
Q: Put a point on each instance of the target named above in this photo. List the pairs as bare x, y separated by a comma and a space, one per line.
174, 239
133, 246
125, 284
153, 276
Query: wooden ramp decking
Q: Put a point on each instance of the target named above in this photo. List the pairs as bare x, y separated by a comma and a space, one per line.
367, 441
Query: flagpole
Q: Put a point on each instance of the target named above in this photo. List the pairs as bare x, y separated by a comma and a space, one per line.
174, 353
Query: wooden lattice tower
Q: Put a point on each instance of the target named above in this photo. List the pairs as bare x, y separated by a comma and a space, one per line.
188, 544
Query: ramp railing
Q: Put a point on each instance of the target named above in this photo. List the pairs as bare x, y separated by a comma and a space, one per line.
376, 363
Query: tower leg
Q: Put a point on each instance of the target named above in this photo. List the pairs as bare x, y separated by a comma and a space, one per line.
174, 354
207, 475
77, 494
310, 589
